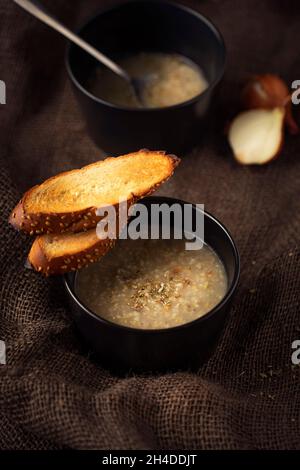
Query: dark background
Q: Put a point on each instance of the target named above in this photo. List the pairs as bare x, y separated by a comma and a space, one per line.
53, 393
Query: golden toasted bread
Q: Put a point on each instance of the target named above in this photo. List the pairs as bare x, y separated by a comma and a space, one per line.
58, 254
68, 202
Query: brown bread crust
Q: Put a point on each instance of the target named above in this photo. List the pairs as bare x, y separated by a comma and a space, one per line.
50, 265
82, 220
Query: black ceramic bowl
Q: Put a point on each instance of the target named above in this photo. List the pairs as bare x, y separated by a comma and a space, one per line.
181, 347
139, 26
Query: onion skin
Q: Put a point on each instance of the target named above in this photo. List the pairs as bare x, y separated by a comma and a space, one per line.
266, 92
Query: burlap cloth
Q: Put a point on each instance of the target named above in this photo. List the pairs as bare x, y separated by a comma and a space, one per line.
53, 393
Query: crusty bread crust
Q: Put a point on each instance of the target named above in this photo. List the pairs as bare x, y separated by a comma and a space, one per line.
46, 264
67, 240
41, 222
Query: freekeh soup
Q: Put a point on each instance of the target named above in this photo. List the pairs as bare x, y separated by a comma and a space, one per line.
173, 79
153, 284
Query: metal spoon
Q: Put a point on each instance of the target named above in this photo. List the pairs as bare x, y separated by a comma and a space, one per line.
37, 10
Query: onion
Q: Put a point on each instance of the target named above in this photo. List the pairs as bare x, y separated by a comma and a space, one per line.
256, 136
267, 92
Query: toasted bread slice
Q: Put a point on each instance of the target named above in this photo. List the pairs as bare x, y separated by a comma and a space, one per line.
68, 202
58, 254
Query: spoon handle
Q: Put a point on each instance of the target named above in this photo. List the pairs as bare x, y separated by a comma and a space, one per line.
34, 8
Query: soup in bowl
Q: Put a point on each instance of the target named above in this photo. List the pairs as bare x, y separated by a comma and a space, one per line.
184, 53
152, 305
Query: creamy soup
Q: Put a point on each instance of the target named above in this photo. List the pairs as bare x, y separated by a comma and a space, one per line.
152, 284
173, 79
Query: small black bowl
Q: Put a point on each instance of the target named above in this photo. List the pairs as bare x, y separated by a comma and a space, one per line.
181, 347
139, 26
